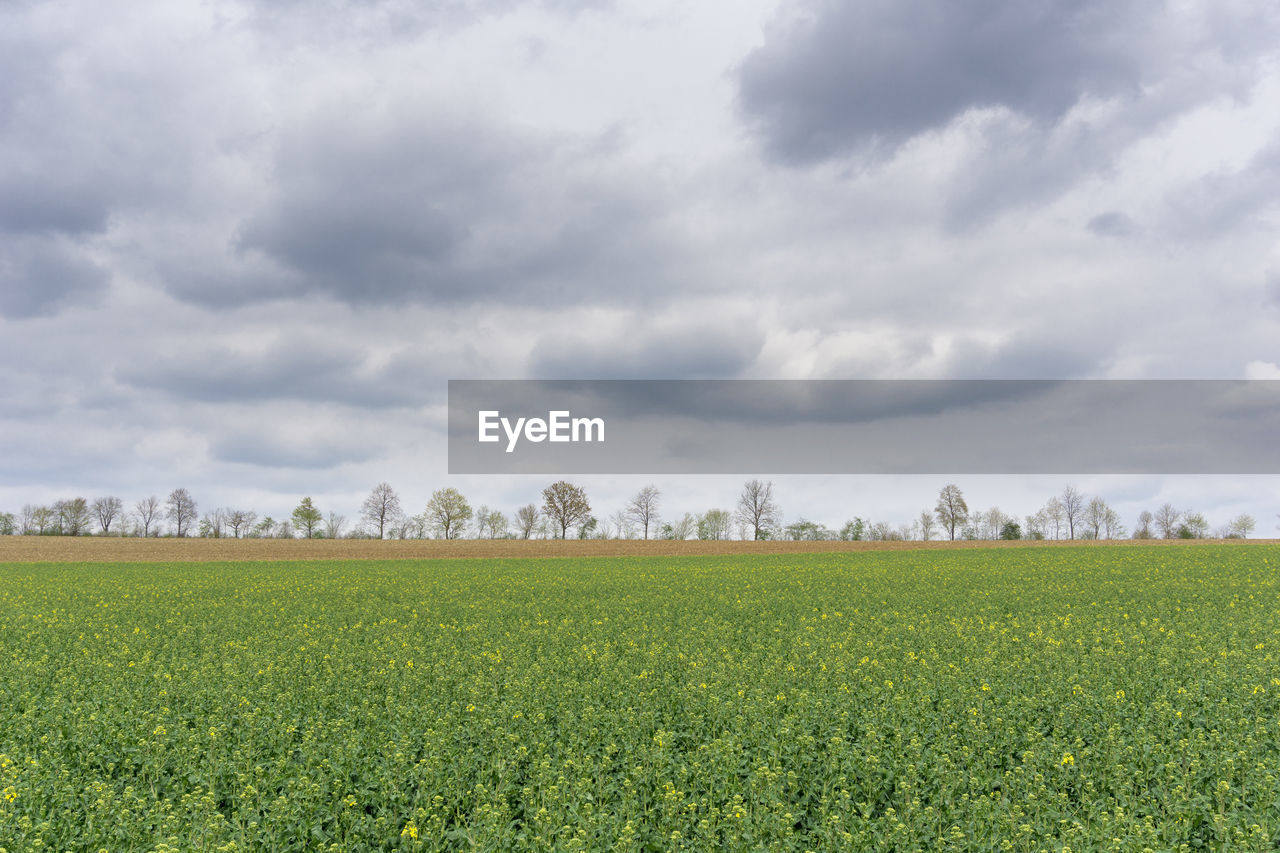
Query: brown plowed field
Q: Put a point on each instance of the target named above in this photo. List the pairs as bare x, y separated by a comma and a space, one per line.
92, 549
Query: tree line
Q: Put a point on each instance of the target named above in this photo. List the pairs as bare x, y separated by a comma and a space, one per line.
566, 512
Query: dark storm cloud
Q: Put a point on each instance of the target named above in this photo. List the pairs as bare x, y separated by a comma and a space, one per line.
854, 75
41, 275
410, 205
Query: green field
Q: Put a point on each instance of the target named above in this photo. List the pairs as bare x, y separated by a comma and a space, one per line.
1068, 698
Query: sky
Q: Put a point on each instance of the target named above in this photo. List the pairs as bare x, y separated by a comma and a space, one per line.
244, 245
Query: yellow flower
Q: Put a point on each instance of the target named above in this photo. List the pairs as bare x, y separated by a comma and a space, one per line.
410, 829
1068, 759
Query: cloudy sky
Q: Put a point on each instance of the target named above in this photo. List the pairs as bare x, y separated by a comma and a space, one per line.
244, 245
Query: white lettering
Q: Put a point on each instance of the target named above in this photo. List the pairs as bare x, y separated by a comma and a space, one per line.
487, 423
587, 425
513, 435
559, 426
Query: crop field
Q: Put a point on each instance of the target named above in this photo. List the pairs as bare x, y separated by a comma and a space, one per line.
116, 549
1081, 698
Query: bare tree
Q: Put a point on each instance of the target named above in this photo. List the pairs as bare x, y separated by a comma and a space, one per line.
181, 510
498, 524
213, 524
951, 509
526, 520
566, 505
757, 509
623, 525
1196, 524
240, 521
490, 523
448, 513
147, 511
39, 520
1072, 508
1242, 525
714, 524
681, 529
926, 521
381, 508
643, 508
1095, 515
1054, 515
333, 525
1167, 519
1145, 518
73, 516
993, 522
1111, 526
1036, 524
107, 510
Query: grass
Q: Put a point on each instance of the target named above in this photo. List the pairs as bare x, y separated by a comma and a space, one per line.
1086, 698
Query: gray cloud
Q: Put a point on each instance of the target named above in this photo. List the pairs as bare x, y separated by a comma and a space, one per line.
432, 207
1044, 355
1112, 223
376, 21
1226, 200
269, 450
40, 275
850, 76
679, 350
865, 77
307, 369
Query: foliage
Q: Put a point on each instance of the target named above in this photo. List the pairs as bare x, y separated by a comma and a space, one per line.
307, 518
853, 530
952, 510
714, 524
565, 504
448, 513
1094, 698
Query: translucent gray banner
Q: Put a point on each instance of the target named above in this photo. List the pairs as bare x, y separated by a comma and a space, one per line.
864, 427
